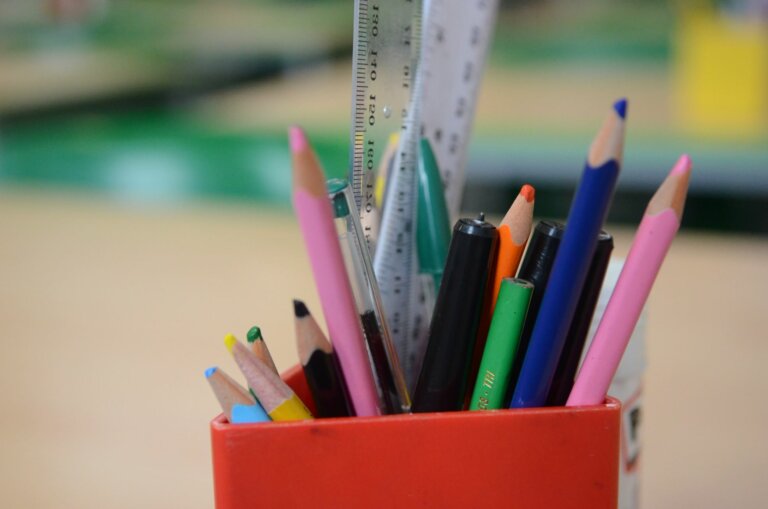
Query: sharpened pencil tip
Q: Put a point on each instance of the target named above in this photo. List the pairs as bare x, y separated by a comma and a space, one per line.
621, 107
299, 308
528, 192
683, 164
254, 334
229, 341
297, 139
210, 371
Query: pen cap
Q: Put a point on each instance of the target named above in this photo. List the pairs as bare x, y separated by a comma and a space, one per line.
539, 257
336, 189
453, 330
433, 227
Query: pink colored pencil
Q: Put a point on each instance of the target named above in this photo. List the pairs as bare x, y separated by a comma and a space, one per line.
313, 210
652, 240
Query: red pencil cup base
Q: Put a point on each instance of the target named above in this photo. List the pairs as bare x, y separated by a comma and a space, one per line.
525, 458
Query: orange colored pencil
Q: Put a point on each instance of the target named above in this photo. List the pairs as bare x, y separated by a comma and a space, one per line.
514, 231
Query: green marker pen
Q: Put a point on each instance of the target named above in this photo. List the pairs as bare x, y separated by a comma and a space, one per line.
501, 346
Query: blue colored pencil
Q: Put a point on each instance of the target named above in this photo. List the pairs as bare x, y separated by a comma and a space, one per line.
569, 271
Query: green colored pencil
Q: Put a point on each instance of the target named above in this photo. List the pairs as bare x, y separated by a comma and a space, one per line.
501, 346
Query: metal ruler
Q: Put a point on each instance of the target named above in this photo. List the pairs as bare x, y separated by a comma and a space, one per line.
383, 58
394, 79
458, 34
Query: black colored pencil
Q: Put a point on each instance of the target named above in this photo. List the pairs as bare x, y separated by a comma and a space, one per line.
321, 367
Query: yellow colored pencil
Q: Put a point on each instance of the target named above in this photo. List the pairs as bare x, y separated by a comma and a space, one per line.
278, 400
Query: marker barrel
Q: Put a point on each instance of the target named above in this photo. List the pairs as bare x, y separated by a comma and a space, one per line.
453, 331
577, 335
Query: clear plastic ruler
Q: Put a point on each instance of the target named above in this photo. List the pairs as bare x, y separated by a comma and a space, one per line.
458, 34
383, 58
395, 262
456, 38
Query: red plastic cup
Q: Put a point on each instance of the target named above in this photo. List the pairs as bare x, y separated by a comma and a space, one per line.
523, 458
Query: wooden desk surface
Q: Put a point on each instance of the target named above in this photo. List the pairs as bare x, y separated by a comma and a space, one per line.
110, 313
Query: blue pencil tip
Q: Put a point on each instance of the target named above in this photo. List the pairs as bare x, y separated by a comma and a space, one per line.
210, 371
621, 107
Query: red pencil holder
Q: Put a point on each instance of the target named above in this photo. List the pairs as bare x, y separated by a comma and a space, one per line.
526, 458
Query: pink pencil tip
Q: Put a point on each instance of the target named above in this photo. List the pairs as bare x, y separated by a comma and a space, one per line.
297, 139
528, 192
682, 165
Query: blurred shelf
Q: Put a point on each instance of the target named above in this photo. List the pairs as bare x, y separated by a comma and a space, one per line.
154, 157
162, 158
155, 52
160, 103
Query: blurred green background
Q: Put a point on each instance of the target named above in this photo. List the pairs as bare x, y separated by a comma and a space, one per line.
165, 101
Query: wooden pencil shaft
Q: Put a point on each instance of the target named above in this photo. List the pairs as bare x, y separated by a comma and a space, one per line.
228, 392
259, 348
267, 386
